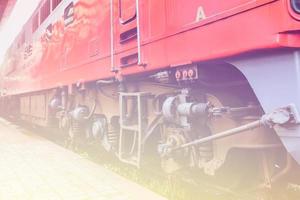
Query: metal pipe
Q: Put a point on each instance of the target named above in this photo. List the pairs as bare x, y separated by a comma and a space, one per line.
138, 32
111, 81
227, 133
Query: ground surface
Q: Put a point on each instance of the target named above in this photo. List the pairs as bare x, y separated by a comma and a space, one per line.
32, 167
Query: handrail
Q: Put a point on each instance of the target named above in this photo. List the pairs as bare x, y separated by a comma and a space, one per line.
112, 64
138, 27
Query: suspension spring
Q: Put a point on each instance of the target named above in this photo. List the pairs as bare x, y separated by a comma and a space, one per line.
112, 138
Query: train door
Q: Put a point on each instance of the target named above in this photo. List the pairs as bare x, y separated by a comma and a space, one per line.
125, 34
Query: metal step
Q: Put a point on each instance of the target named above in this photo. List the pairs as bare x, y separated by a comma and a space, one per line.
136, 132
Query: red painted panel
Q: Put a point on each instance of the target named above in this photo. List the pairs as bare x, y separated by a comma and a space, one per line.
173, 32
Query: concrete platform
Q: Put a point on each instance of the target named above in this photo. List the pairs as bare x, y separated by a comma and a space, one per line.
32, 167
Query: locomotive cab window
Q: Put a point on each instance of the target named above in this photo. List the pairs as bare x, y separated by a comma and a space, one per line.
55, 3
45, 11
49, 31
35, 22
69, 14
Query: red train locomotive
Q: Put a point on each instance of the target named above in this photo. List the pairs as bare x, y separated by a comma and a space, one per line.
201, 84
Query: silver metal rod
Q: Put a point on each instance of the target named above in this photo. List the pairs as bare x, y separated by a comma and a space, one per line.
233, 131
139, 150
138, 32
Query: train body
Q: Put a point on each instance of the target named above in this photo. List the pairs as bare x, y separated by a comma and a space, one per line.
168, 77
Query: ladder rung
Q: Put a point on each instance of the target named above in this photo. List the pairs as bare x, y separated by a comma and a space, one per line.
134, 93
130, 161
130, 128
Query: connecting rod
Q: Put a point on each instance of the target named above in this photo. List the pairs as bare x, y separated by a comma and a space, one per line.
278, 117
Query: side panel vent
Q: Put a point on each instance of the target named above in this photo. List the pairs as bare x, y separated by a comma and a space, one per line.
128, 35
129, 60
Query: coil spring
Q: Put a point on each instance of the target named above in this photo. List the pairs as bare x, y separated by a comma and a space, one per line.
112, 138
77, 133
